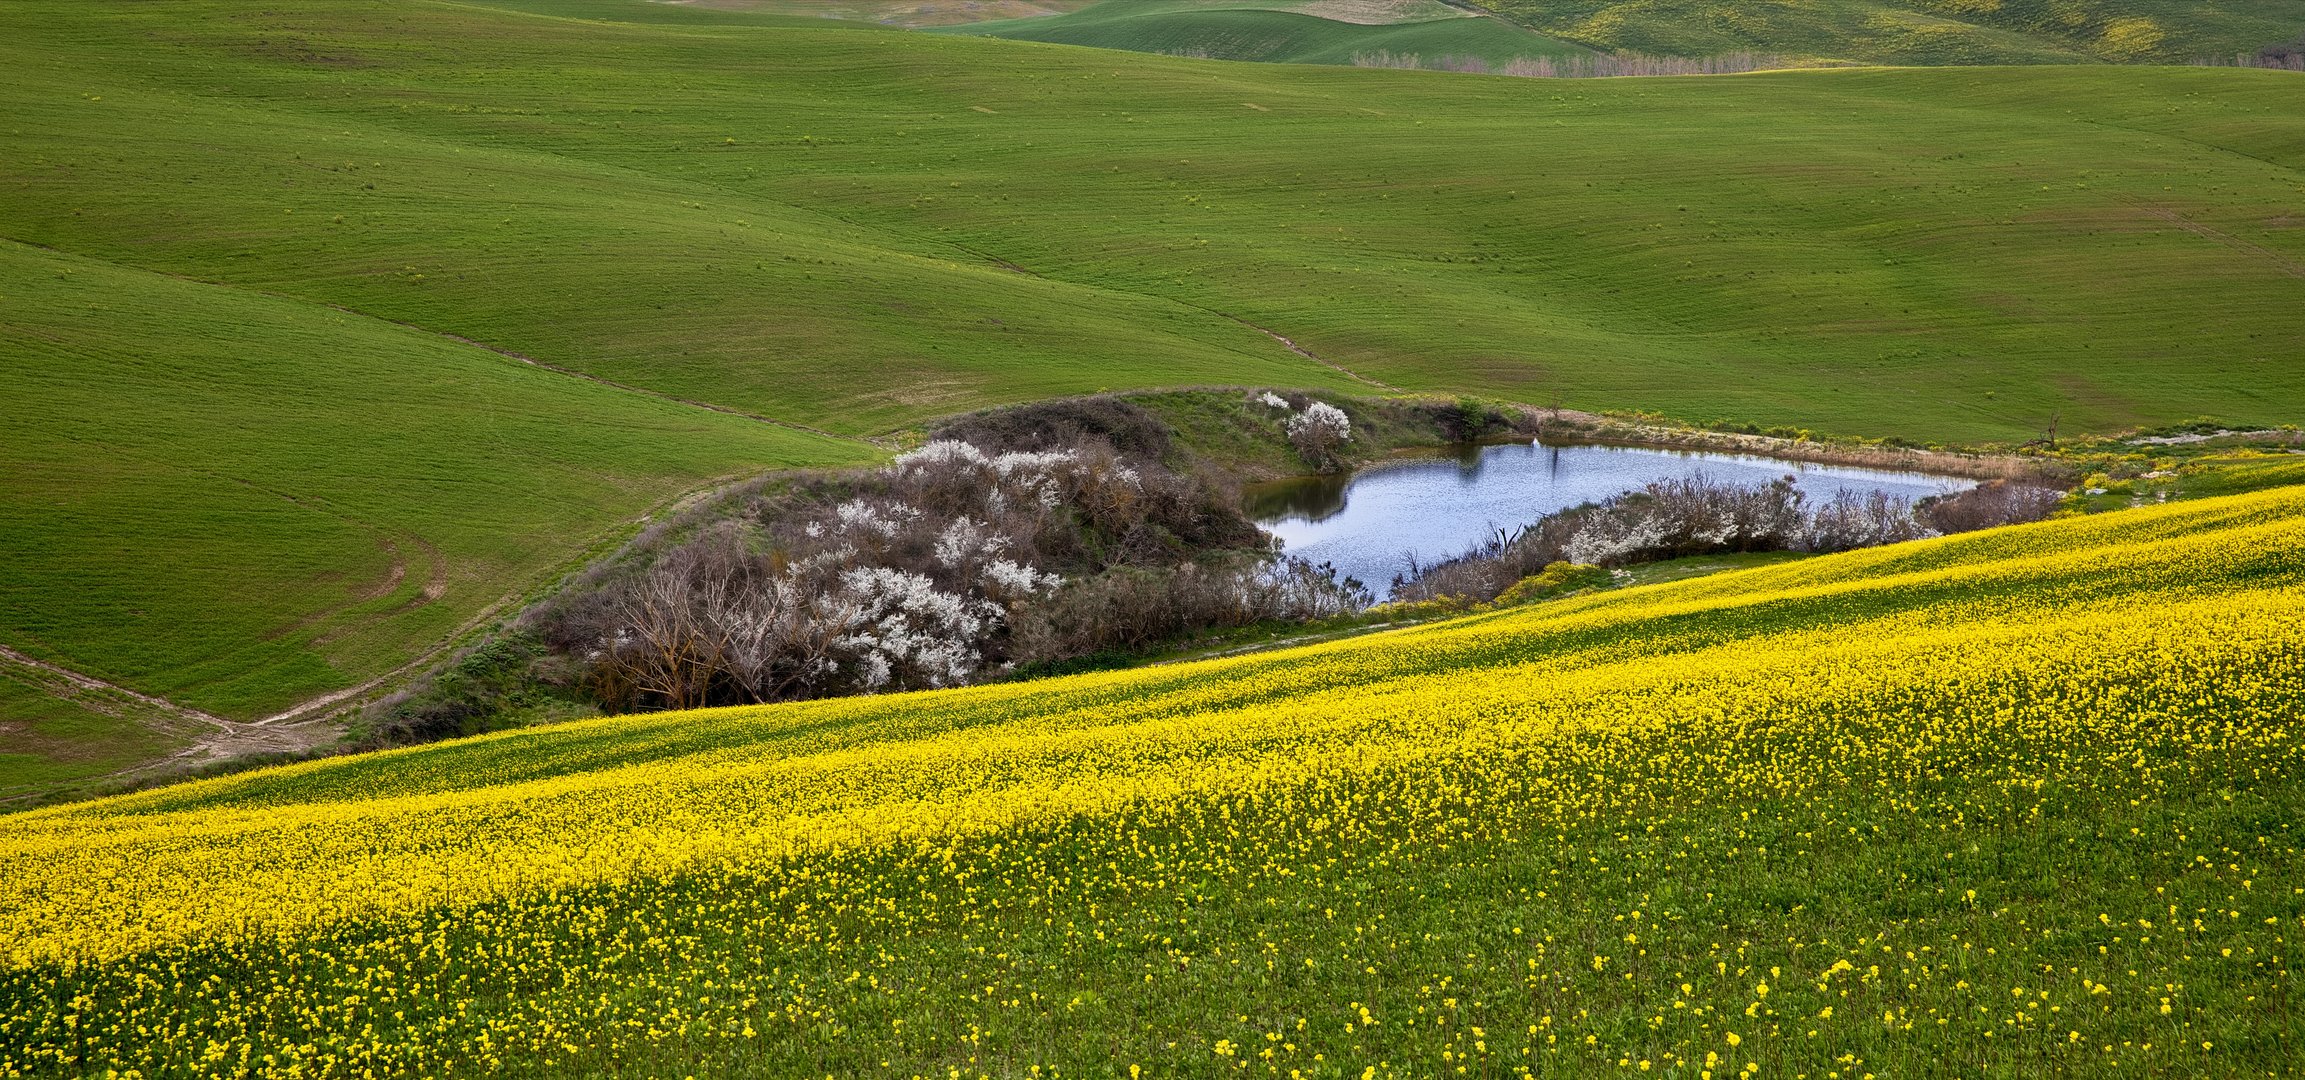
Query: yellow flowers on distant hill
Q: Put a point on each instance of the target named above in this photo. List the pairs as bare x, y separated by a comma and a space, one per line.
2012, 803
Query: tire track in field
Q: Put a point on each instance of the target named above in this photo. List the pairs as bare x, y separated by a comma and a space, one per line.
1285, 342
336, 703
1308, 354
2219, 236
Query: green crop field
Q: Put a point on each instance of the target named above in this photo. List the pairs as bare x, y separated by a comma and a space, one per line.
270, 277
1923, 31
2015, 804
1284, 33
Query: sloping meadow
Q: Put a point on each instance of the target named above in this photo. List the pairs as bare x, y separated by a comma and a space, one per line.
2011, 803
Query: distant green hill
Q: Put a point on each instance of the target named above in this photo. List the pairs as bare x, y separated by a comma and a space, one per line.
1921, 31
1271, 33
270, 272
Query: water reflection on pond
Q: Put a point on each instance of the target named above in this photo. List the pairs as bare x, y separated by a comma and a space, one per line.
1435, 504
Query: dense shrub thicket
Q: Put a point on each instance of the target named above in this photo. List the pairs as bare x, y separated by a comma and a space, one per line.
920, 574
1035, 536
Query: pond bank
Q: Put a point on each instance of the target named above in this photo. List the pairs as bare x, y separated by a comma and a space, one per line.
1569, 425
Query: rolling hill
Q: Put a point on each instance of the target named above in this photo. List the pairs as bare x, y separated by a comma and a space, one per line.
336, 327
2021, 802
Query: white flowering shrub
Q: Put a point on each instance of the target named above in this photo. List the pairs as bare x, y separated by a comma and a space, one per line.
908, 632
1319, 433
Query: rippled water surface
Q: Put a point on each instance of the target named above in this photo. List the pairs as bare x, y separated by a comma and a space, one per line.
1437, 505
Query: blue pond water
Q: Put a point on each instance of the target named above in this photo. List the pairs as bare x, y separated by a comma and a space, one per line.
1436, 505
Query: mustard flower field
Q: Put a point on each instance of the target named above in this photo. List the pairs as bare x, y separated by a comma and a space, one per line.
2021, 803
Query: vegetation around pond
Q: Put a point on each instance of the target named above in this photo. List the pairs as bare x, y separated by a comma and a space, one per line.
1033, 539
2012, 803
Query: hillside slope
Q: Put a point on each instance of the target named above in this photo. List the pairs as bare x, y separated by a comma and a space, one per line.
241, 501
1789, 817
860, 230
1923, 31
857, 231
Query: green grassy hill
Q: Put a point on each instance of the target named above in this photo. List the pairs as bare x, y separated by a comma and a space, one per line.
1273, 33
1922, 31
311, 233
2017, 803
240, 501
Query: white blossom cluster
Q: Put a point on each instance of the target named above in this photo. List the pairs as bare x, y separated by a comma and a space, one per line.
1320, 420
906, 625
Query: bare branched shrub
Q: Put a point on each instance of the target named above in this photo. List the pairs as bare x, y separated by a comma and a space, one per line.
1672, 519
2286, 56
1989, 505
1850, 521
1130, 609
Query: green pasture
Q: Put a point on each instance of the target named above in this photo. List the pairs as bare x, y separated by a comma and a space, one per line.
239, 501
48, 743
862, 230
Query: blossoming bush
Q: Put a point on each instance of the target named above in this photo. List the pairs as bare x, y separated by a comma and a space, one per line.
2023, 802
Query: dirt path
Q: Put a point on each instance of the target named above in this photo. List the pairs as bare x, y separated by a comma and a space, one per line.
336, 703
207, 737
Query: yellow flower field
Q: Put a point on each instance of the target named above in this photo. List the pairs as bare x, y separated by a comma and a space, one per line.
2017, 803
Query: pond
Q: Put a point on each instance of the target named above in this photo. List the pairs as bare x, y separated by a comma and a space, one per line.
1435, 504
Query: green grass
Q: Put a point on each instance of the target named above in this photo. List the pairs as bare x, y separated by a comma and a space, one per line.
239, 501
1921, 31
1270, 33
49, 744
862, 230
826, 226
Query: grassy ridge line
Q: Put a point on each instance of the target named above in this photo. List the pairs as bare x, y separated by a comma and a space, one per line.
1230, 32
1836, 809
815, 225
200, 510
